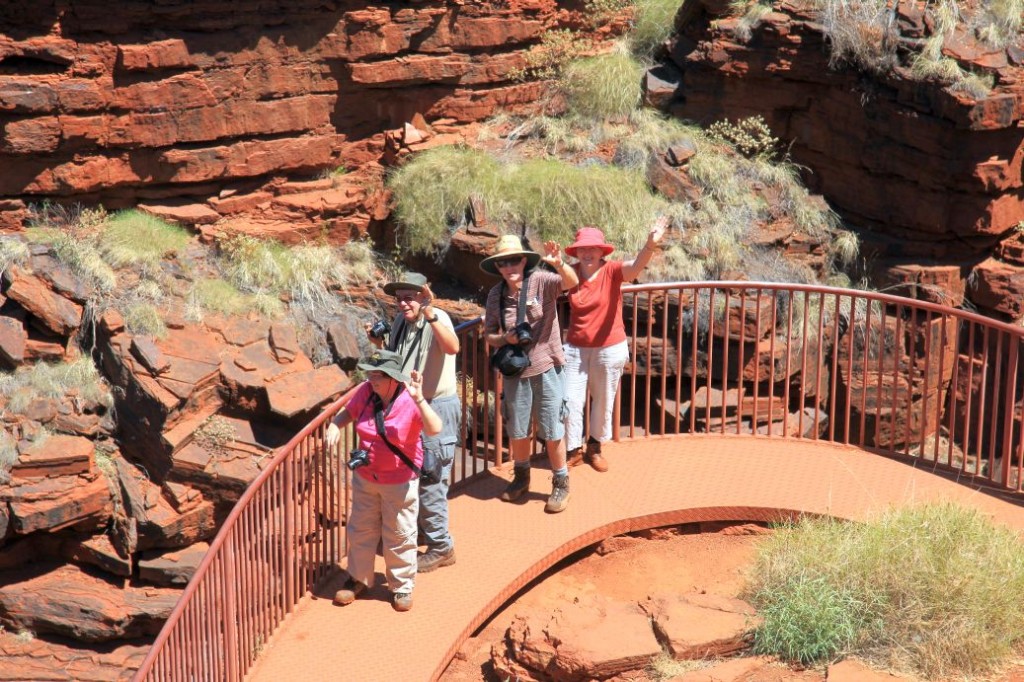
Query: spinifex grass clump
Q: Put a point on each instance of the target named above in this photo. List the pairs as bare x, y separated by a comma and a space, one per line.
653, 23
931, 590
603, 87
46, 380
551, 197
136, 238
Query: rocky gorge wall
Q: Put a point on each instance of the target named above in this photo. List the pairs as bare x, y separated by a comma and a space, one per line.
932, 179
166, 102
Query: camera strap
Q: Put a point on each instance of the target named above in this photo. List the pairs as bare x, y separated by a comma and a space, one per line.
520, 309
378, 418
398, 337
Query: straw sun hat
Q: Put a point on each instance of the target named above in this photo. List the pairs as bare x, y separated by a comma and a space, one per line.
508, 246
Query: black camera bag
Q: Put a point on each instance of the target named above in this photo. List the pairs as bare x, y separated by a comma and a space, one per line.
511, 359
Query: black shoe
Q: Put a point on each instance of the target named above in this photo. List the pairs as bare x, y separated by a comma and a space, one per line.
428, 561
518, 487
559, 498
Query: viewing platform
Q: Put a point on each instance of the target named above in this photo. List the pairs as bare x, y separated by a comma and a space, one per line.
501, 547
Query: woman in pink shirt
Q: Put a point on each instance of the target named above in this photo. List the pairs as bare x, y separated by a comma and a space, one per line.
390, 413
595, 348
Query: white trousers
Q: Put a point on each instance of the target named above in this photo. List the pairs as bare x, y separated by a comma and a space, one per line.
598, 369
387, 514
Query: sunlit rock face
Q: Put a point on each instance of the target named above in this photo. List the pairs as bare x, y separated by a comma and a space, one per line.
933, 177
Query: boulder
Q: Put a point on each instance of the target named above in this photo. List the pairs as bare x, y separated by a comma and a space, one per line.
58, 314
699, 626
39, 659
172, 567
591, 639
70, 602
56, 455
50, 504
303, 392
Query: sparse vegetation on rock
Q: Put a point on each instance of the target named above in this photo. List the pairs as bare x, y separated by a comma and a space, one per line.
931, 590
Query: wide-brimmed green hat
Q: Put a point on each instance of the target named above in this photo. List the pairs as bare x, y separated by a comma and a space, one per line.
508, 246
386, 361
409, 280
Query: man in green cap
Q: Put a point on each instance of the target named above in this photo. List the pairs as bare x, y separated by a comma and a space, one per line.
425, 338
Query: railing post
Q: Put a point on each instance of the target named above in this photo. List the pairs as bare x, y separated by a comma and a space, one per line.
231, 614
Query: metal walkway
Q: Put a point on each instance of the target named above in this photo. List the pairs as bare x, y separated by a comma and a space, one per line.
502, 547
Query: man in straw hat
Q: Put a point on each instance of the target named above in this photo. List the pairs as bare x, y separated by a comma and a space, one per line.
425, 339
538, 390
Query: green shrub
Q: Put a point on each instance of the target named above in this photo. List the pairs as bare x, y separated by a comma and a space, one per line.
860, 33
78, 252
433, 191
13, 251
546, 60
933, 590
750, 136
653, 23
753, 13
305, 275
136, 238
8, 455
808, 620
54, 380
602, 87
555, 199
220, 296
143, 319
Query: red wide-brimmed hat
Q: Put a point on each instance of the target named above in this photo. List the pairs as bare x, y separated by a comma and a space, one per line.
589, 236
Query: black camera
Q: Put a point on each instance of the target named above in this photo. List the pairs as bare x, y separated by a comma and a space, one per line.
380, 329
357, 458
524, 332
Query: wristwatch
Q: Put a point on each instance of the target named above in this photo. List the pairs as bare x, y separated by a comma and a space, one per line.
430, 320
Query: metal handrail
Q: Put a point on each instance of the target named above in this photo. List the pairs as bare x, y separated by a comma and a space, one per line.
904, 378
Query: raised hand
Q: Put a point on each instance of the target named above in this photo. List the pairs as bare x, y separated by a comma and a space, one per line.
657, 232
552, 254
415, 385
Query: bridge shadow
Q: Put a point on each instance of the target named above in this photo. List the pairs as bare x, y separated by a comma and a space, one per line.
656, 482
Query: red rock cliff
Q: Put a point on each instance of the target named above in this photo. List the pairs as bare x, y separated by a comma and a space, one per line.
132, 101
934, 179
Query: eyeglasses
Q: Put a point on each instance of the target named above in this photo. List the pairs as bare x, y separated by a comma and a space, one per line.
508, 262
406, 299
374, 375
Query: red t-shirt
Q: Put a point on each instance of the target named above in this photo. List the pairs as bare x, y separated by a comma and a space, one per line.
596, 308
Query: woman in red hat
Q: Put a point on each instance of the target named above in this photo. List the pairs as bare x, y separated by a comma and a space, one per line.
596, 349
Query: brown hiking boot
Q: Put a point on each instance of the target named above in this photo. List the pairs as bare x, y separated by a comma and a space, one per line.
574, 457
348, 594
518, 487
428, 561
594, 458
559, 498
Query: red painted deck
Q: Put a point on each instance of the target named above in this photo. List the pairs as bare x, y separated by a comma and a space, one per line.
501, 547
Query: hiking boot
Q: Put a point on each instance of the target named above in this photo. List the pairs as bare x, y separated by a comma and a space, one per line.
594, 458
574, 457
518, 487
432, 559
401, 601
347, 594
559, 498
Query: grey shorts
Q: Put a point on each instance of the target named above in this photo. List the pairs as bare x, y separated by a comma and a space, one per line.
541, 397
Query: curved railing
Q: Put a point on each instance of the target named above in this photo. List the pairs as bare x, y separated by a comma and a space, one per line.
905, 378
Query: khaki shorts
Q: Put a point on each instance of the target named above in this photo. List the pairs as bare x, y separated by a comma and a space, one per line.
540, 397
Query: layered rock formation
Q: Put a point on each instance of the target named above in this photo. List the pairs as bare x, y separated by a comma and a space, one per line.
932, 178
185, 100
